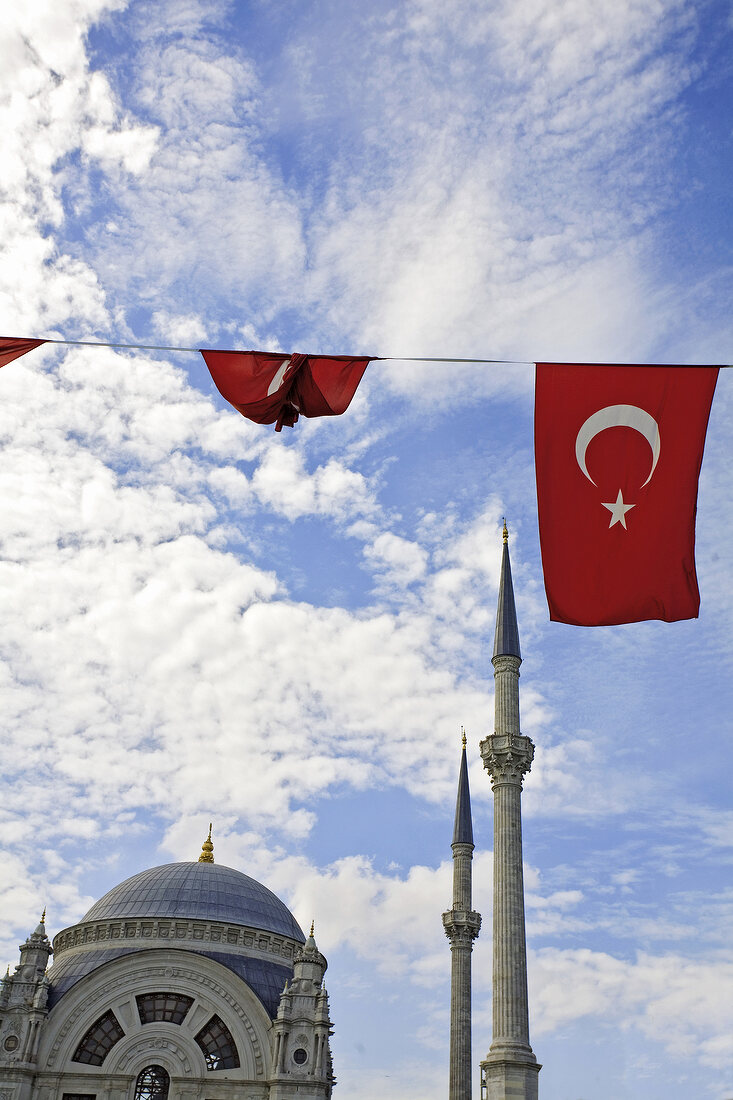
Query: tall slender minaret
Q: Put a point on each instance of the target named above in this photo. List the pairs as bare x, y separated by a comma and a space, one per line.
461, 927
510, 1069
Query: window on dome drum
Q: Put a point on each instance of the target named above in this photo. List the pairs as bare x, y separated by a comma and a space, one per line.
99, 1040
170, 1007
79, 1096
217, 1044
152, 1083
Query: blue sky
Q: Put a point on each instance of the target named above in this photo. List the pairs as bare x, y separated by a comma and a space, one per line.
285, 633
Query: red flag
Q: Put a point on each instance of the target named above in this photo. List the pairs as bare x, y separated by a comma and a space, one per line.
618, 451
275, 388
12, 348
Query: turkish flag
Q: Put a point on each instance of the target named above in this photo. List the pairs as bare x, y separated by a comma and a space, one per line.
274, 388
12, 348
618, 451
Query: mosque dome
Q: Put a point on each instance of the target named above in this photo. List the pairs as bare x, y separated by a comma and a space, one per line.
197, 891
202, 908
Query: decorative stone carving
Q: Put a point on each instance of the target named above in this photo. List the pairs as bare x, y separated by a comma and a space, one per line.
154, 1043
507, 757
203, 931
461, 926
506, 662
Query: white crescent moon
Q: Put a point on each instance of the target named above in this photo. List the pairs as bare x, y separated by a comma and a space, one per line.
278, 377
615, 416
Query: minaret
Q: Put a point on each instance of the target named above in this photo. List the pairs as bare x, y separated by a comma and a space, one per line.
461, 927
510, 1069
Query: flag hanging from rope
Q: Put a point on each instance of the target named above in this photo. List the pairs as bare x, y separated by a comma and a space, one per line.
12, 348
618, 451
276, 389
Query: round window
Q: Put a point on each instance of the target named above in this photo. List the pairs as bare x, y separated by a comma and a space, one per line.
300, 1056
11, 1043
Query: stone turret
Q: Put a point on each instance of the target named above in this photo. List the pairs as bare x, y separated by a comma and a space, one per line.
461, 926
510, 1069
301, 1053
23, 1000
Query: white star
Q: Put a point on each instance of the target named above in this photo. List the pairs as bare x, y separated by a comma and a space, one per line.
618, 510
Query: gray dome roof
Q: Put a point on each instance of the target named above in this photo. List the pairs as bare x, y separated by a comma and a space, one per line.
197, 891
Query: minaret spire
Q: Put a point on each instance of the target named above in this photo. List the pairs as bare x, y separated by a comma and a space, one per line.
510, 1068
463, 824
461, 927
506, 635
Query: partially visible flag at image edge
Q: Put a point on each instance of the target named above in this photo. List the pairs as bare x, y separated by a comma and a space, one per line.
12, 348
618, 451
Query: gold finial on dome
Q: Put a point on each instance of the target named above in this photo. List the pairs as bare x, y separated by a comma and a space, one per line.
313, 926
43, 915
505, 533
207, 849
463, 737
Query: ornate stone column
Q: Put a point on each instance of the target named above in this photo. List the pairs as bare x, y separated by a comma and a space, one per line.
461, 926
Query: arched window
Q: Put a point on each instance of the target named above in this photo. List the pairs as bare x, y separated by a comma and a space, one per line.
152, 1083
99, 1040
218, 1046
169, 1007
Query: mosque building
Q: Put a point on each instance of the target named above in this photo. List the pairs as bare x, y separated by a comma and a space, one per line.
190, 978
195, 981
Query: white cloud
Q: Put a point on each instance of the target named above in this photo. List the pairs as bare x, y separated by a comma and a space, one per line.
682, 1002
184, 329
132, 637
502, 235
282, 483
130, 149
209, 217
400, 561
54, 106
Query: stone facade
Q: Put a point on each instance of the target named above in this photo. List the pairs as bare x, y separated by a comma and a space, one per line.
171, 998
23, 1012
301, 1057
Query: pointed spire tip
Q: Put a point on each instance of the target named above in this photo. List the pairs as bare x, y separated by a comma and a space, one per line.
506, 636
463, 827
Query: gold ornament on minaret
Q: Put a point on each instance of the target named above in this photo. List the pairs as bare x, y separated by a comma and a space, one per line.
207, 849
